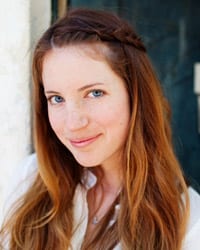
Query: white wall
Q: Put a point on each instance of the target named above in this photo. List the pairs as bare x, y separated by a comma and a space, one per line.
197, 89
21, 23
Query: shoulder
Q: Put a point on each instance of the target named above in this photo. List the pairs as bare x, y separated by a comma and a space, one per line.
192, 239
22, 177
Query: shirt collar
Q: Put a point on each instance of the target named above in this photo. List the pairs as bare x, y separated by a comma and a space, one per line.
88, 179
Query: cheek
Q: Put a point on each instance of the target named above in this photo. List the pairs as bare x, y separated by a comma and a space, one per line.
116, 118
118, 111
55, 122
121, 120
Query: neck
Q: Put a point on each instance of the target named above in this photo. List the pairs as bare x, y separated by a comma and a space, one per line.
111, 180
101, 197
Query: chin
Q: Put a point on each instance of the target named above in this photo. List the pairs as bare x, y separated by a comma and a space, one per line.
87, 163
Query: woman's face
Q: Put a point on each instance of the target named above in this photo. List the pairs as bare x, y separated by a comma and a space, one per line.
88, 105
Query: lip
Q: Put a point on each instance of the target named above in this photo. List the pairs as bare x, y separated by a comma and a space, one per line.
83, 142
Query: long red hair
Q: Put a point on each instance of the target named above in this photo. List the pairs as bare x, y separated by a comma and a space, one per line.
154, 200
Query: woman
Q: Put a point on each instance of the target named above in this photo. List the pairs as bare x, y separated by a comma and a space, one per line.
105, 174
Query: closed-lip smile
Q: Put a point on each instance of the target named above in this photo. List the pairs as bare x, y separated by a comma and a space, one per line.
82, 142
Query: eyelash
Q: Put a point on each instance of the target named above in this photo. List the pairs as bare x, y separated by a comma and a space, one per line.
51, 99
102, 93
91, 94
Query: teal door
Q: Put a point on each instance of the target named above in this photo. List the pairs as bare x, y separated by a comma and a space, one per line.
171, 32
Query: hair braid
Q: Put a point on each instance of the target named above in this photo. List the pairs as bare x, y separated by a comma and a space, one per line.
119, 32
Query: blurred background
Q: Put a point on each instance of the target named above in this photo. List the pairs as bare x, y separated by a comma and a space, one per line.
171, 32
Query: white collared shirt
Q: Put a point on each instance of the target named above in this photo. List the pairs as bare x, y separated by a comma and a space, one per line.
26, 173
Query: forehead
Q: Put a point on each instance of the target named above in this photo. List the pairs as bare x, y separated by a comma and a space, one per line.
96, 51
75, 57
77, 64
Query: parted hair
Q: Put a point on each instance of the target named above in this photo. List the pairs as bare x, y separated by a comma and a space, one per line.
154, 199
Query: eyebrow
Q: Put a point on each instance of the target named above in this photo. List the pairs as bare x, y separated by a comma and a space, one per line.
51, 92
79, 89
89, 86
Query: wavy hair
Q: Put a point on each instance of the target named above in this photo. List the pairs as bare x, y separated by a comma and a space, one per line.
154, 201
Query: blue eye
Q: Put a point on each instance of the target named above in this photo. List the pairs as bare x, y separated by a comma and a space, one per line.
96, 93
56, 99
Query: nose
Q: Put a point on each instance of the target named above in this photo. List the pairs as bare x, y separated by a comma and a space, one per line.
76, 120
